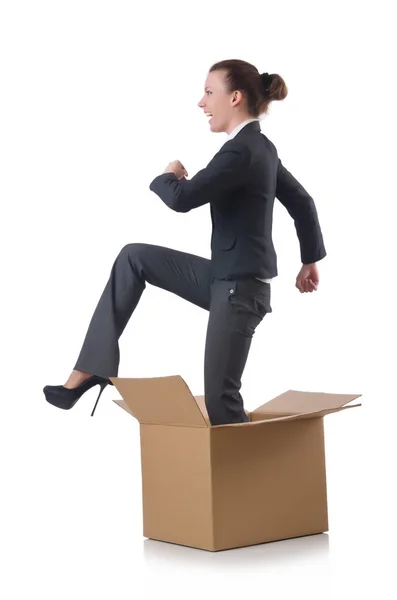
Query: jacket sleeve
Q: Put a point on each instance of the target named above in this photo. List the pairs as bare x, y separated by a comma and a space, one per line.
223, 173
302, 209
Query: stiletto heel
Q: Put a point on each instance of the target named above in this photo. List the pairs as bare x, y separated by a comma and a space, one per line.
66, 398
103, 385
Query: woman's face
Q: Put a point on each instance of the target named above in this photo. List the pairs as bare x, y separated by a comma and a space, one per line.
219, 102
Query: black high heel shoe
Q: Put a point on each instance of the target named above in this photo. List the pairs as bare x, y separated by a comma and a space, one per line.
66, 398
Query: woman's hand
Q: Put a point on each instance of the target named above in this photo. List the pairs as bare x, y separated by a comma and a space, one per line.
308, 278
177, 168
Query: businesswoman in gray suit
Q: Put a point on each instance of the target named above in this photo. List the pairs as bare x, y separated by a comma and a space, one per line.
240, 185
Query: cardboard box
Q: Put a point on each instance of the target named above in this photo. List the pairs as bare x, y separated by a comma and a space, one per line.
233, 485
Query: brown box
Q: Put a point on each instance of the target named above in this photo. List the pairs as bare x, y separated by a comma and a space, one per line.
227, 486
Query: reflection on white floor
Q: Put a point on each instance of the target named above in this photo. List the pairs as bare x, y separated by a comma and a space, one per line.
314, 548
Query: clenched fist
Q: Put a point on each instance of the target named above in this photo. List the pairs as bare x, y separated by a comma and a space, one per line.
177, 168
308, 278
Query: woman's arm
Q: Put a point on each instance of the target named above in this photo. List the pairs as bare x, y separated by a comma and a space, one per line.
302, 209
226, 170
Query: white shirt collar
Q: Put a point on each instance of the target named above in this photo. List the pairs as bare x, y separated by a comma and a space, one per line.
239, 128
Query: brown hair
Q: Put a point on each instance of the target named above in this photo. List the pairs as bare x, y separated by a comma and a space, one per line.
259, 89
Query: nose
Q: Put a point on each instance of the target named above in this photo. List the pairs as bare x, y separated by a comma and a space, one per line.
200, 104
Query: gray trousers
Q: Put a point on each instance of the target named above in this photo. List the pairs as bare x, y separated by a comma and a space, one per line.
236, 307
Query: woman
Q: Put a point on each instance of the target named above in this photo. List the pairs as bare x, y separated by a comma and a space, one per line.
240, 184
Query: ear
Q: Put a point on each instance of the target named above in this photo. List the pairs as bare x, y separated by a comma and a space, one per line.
237, 97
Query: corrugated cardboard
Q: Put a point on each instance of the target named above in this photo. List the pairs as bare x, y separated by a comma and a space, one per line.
233, 485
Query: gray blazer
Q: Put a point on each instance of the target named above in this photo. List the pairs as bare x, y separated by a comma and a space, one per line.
240, 184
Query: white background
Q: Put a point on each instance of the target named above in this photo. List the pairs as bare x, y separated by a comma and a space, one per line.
96, 99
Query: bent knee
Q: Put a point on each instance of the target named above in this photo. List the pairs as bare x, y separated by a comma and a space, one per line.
133, 250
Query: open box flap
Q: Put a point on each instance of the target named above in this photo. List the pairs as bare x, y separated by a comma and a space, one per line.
297, 402
279, 419
162, 400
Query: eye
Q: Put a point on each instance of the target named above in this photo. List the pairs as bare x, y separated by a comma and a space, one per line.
208, 92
